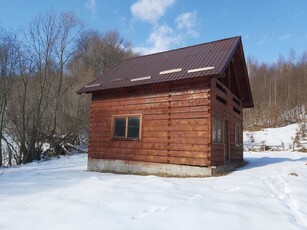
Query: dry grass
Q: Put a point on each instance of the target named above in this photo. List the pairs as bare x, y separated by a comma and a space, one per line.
303, 150
254, 128
293, 174
225, 173
242, 164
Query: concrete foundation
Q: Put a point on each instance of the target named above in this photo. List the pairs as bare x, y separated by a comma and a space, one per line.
146, 168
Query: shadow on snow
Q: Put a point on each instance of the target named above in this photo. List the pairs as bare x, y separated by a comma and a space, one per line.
254, 162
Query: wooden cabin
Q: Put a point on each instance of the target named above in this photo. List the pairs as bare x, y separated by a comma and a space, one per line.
174, 113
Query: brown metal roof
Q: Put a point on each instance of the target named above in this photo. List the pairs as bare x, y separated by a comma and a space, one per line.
215, 54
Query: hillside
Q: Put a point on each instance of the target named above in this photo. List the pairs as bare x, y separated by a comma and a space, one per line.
279, 91
283, 138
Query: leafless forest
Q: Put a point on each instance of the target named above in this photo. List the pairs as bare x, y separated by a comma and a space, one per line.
42, 67
40, 71
279, 91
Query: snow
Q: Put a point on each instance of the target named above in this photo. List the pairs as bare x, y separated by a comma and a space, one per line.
272, 136
61, 194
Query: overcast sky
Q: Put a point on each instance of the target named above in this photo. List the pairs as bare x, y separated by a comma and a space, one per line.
268, 28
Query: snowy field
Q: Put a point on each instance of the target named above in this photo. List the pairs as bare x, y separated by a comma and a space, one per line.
272, 136
269, 193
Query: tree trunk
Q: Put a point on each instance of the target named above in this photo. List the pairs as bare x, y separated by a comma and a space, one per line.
1, 163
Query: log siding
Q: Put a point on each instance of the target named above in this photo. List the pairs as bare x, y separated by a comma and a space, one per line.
175, 123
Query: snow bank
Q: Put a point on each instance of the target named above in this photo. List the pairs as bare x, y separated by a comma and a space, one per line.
61, 194
271, 137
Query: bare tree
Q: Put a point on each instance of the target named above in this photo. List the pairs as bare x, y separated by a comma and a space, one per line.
279, 91
41, 83
97, 52
54, 61
69, 30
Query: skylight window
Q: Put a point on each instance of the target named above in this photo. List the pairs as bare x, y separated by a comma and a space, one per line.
141, 78
171, 71
92, 85
118, 79
200, 69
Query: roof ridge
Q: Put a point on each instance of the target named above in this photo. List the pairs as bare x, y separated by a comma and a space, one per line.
186, 47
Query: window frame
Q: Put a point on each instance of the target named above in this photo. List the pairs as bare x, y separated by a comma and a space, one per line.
218, 130
237, 134
126, 117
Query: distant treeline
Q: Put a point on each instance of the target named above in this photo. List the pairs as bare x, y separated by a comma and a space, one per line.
279, 91
41, 70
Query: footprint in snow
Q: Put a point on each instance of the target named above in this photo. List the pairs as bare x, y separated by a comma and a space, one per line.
196, 196
145, 212
155, 210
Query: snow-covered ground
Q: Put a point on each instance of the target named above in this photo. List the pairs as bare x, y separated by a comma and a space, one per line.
269, 193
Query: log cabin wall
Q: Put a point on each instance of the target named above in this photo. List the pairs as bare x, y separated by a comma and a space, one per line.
175, 123
225, 106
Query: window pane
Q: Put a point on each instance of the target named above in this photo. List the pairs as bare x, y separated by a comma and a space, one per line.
214, 129
237, 134
133, 127
219, 131
119, 127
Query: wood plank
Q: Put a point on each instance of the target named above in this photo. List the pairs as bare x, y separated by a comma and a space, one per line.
146, 111
180, 137
98, 141
153, 100
175, 122
178, 140
141, 101
152, 91
189, 96
152, 106
190, 115
163, 153
189, 103
153, 158
200, 134
177, 128
148, 146
156, 116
